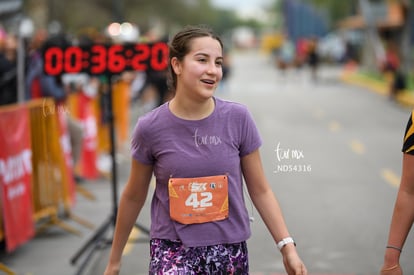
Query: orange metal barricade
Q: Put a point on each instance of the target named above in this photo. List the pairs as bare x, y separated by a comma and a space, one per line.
121, 103
6, 270
47, 159
51, 192
50, 186
103, 128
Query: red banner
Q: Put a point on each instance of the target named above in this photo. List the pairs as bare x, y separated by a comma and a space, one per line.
89, 170
15, 176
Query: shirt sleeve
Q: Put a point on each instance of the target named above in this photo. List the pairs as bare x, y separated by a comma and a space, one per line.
250, 136
140, 148
408, 145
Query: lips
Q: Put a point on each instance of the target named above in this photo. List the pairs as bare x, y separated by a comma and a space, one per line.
208, 81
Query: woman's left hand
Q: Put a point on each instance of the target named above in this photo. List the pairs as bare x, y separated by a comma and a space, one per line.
293, 264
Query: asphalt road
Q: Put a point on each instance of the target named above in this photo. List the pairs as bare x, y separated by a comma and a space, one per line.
332, 153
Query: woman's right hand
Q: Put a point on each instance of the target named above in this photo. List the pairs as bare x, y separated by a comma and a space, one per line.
391, 270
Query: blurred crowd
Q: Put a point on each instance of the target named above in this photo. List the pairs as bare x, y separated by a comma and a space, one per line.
38, 84
305, 52
311, 52
146, 89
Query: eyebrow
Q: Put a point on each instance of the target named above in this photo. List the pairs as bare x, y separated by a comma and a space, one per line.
207, 55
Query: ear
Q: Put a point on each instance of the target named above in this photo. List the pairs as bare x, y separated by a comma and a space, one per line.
176, 65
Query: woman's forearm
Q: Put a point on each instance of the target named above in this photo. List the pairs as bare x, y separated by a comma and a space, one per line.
403, 215
126, 217
271, 213
401, 223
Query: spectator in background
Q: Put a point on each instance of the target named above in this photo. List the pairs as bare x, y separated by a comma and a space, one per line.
226, 67
392, 65
301, 51
313, 57
34, 68
8, 70
53, 86
286, 54
158, 81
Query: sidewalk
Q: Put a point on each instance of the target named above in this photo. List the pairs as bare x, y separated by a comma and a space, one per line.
353, 77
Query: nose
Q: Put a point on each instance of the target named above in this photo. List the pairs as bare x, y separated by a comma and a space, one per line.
213, 68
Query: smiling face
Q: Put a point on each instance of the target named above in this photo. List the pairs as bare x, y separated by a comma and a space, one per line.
200, 71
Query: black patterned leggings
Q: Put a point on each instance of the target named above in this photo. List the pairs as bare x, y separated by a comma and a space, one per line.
172, 257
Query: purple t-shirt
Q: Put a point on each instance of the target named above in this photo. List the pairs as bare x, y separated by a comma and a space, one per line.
195, 148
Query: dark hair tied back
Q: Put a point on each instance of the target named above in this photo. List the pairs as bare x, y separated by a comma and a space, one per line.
180, 46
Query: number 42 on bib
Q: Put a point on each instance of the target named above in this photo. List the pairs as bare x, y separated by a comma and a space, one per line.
198, 200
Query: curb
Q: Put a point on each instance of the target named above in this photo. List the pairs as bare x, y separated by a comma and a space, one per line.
405, 97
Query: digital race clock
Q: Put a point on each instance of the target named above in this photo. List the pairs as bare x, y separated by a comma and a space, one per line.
105, 59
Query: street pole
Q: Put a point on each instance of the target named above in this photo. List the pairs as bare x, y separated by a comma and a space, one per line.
374, 51
26, 29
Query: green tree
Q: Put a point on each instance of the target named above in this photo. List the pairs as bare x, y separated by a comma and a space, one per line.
75, 15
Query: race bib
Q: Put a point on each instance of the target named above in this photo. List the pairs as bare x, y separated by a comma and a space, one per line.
198, 200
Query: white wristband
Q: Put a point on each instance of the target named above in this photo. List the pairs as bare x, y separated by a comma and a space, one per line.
284, 242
